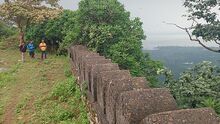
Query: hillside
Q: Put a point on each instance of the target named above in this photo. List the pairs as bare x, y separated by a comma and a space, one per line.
179, 59
38, 91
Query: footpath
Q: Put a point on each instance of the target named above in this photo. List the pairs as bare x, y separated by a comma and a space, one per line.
25, 84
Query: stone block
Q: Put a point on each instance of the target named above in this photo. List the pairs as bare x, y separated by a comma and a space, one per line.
187, 116
140, 83
88, 69
114, 89
99, 68
104, 78
133, 106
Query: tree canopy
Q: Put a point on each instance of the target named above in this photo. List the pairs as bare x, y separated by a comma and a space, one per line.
106, 27
197, 86
205, 27
5, 30
63, 30
25, 12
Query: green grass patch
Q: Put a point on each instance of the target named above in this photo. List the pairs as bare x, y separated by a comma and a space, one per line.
3, 101
1, 109
46, 91
8, 76
63, 105
4, 79
62, 91
22, 105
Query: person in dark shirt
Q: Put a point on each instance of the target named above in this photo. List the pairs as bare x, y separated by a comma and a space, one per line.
23, 49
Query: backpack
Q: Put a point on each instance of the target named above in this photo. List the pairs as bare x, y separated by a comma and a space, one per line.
23, 48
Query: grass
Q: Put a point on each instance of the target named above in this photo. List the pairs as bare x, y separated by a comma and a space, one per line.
8, 76
39, 92
63, 105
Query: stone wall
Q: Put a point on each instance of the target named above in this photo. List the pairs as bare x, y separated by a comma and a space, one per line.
119, 98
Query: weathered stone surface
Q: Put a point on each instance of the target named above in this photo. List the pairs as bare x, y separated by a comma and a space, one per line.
140, 83
73, 69
99, 68
87, 59
80, 56
87, 74
121, 99
88, 67
104, 79
100, 114
187, 116
74, 49
72, 52
134, 106
113, 91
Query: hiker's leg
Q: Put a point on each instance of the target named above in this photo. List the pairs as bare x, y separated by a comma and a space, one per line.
30, 54
42, 55
22, 56
33, 55
45, 55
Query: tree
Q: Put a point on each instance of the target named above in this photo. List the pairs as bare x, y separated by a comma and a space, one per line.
205, 22
25, 12
5, 30
106, 27
63, 29
197, 86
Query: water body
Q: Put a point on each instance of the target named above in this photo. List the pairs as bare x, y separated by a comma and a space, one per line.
179, 59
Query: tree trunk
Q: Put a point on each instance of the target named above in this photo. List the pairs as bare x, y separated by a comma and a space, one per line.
21, 37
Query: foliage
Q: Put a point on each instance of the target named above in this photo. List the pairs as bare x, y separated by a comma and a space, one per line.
70, 30
5, 30
204, 14
35, 32
25, 12
62, 29
196, 86
4, 78
65, 105
8, 75
6, 34
210, 102
64, 90
106, 27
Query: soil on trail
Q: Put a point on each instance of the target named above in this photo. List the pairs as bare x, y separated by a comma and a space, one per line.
28, 82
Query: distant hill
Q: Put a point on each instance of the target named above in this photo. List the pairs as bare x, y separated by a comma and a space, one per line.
180, 58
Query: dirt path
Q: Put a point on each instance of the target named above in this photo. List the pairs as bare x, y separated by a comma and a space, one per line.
11, 107
31, 80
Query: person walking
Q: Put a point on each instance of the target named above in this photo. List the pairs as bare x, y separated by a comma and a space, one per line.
31, 49
43, 48
23, 49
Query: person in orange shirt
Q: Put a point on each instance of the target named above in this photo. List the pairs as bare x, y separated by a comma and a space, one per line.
43, 48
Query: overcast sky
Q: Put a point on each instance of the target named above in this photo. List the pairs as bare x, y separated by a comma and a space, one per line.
152, 14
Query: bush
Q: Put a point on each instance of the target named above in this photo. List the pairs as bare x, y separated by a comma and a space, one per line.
106, 27
197, 86
103, 26
62, 91
64, 105
6, 31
